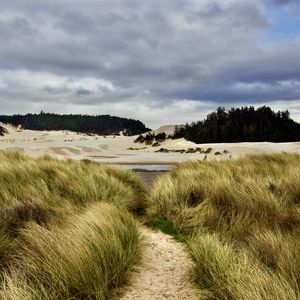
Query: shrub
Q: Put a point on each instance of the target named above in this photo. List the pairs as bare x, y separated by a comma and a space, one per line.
160, 137
156, 144
3, 131
139, 139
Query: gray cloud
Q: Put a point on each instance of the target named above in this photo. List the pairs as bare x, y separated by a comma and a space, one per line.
284, 2
134, 57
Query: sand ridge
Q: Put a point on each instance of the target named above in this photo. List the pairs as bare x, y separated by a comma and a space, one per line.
116, 149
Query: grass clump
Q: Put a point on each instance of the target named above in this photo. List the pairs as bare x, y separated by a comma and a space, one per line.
167, 227
242, 222
229, 273
66, 227
85, 258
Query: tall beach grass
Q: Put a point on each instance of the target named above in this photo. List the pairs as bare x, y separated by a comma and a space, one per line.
242, 220
67, 229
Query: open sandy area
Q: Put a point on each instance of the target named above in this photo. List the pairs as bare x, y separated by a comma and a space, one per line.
115, 149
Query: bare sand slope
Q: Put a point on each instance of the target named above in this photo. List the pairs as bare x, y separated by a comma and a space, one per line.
167, 129
122, 149
165, 272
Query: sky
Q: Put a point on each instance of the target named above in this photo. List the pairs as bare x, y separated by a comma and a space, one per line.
159, 61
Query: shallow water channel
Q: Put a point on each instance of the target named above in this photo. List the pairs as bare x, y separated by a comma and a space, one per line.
149, 167
149, 172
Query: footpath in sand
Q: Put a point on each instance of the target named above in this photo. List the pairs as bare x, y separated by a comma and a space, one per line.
165, 272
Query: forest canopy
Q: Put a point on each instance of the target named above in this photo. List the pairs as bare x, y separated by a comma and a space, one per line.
245, 124
100, 124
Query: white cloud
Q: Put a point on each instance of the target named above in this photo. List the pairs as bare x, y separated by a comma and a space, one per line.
45, 82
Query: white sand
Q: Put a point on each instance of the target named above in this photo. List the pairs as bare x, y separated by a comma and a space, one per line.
167, 129
64, 144
165, 272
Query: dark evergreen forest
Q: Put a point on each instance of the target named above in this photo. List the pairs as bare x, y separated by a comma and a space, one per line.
245, 124
101, 124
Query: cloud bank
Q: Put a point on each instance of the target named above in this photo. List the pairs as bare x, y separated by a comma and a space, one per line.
162, 62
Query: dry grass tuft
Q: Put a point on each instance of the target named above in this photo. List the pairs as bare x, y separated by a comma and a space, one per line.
66, 228
242, 218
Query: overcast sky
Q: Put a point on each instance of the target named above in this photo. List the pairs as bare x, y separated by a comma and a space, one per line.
160, 61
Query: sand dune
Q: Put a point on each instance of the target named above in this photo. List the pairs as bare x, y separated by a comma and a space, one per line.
168, 129
115, 149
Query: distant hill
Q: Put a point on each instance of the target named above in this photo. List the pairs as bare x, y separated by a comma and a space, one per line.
101, 124
245, 124
167, 129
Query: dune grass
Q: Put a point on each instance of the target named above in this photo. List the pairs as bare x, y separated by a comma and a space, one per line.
167, 227
67, 229
242, 222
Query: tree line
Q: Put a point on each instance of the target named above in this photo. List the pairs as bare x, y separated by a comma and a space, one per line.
100, 124
245, 124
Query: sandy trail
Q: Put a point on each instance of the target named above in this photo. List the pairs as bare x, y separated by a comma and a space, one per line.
165, 272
